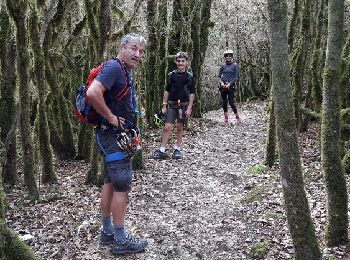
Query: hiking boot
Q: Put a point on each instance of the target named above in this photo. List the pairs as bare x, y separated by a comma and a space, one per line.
129, 245
158, 155
238, 119
177, 154
106, 239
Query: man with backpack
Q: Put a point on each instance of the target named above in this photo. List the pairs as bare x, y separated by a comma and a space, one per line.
177, 105
228, 76
111, 95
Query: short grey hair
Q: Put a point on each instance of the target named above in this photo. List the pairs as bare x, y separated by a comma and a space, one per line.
133, 37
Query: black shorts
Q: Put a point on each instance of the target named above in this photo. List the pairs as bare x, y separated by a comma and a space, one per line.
176, 113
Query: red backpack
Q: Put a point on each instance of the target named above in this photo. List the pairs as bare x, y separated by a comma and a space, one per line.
83, 109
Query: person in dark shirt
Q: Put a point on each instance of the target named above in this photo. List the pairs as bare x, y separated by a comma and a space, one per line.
177, 105
228, 76
113, 80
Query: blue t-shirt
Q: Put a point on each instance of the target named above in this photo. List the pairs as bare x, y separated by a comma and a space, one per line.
114, 79
229, 72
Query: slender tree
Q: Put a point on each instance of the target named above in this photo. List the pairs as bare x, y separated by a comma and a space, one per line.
270, 155
330, 132
48, 174
153, 101
17, 10
11, 246
7, 95
296, 205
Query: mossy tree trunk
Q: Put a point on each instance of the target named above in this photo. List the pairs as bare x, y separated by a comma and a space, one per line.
270, 154
330, 132
153, 103
175, 38
62, 129
296, 205
345, 73
293, 26
7, 96
48, 173
17, 10
11, 246
299, 55
162, 26
105, 27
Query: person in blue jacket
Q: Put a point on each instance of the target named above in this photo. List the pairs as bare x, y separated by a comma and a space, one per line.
228, 77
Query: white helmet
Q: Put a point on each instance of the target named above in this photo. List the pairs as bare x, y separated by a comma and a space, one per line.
227, 52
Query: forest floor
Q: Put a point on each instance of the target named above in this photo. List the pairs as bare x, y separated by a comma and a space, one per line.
218, 202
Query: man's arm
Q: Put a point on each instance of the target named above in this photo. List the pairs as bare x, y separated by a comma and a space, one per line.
165, 101
95, 95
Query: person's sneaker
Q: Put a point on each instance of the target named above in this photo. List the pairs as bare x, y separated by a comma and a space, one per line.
177, 154
106, 239
158, 155
129, 245
238, 119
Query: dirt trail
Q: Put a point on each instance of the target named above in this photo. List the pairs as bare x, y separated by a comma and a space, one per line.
187, 209
191, 209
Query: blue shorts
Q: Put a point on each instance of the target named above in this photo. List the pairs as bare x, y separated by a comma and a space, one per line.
119, 172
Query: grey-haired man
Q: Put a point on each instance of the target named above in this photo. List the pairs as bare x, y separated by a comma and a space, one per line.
114, 79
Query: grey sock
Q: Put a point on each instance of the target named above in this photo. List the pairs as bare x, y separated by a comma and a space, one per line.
107, 225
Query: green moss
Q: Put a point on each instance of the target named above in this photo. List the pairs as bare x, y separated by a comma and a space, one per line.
256, 170
346, 163
256, 194
11, 247
259, 250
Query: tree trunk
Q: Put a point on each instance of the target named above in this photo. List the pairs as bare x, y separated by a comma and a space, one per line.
296, 205
299, 58
153, 103
317, 63
330, 131
174, 40
162, 38
11, 246
48, 174
17, 9
105, 27
270, 156
7, 97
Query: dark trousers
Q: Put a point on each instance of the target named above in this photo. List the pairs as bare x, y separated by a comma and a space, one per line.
228, 96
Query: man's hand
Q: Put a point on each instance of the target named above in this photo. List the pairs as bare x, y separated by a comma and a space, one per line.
116, 121
164, 110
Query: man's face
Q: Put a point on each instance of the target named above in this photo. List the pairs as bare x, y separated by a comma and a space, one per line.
181, 64
132, 53
228, 57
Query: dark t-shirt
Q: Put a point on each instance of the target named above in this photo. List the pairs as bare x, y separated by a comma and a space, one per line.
180, 85
114, 79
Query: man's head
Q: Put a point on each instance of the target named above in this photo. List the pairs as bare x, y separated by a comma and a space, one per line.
181, 60
228, 54
132, 48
